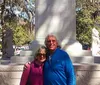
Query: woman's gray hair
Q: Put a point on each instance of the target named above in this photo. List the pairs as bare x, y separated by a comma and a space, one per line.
37, 52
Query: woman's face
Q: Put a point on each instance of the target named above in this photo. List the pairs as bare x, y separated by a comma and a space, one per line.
41, 56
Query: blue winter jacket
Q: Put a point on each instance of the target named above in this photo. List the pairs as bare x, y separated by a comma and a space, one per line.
58, 69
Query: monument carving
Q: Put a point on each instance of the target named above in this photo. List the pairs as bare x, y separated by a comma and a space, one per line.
95, 42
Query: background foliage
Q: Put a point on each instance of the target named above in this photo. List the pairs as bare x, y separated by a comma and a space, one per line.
18, 15
87, 18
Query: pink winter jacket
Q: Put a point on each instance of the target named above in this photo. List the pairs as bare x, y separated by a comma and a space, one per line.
33, 74
24, 76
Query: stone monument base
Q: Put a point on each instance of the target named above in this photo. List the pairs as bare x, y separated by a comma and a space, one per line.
86, 74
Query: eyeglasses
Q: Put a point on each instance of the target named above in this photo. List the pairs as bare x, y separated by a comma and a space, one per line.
40, 54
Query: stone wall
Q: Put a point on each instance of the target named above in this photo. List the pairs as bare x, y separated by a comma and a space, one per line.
87, 74
10, 74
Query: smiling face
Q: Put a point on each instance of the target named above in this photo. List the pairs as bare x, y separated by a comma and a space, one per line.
51, 43
41, 55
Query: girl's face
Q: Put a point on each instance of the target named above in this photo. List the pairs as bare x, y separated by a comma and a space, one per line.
41, 56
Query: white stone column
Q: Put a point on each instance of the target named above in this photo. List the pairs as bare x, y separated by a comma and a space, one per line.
56, 17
